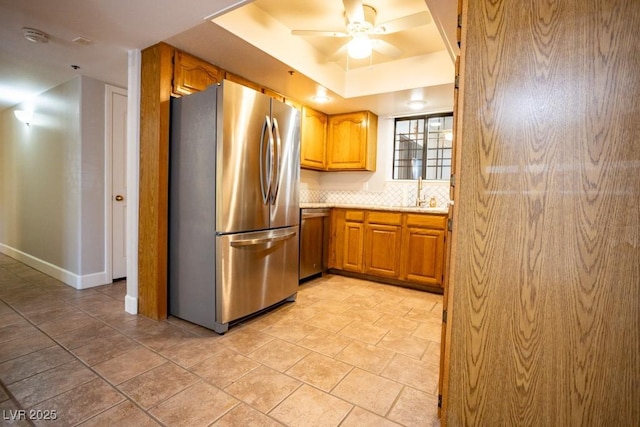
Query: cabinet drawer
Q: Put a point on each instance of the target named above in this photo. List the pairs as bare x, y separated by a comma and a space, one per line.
427, 221
356, 216
391, 218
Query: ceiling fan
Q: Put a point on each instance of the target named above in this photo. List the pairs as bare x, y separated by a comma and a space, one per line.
365, 35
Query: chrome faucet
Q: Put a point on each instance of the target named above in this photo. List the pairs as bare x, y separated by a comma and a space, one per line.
420, 200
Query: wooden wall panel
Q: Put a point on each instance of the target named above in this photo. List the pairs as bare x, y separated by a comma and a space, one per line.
155, 96
544, 303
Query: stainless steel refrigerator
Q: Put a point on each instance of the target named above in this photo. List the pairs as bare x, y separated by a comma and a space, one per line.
233, 204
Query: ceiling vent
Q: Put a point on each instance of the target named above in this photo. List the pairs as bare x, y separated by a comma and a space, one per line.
35, 36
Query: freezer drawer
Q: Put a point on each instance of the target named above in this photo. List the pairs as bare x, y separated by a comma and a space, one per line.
254, 271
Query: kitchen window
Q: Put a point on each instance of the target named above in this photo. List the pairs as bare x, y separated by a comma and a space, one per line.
422, 147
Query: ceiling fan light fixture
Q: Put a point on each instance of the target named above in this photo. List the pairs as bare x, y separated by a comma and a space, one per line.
359, 47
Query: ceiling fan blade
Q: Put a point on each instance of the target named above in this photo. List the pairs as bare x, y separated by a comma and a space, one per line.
354, 10
386, 48
319, 33
404, 23
339, 53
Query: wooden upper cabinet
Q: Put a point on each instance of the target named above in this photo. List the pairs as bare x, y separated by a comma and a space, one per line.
352, 141
191, 74
313, 133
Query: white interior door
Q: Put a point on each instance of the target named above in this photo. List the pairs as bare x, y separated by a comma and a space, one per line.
119, 183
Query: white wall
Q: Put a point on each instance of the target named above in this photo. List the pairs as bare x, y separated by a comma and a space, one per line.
52, 183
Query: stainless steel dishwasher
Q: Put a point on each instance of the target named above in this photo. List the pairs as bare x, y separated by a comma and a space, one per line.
314, 233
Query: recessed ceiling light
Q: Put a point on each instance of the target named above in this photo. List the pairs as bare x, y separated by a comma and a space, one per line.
416, 104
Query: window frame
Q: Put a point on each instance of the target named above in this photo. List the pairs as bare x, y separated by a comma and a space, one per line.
440, 161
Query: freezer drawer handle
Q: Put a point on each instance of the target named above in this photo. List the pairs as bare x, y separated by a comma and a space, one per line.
252, 242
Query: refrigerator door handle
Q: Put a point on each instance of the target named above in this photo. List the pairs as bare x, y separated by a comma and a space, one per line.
277, 161
265, 169
253, 242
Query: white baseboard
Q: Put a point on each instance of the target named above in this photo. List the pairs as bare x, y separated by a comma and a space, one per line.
65, 276
131, 304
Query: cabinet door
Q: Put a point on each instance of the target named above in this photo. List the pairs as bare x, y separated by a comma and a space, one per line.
191, 74
382, 250
347, 141
313, 139
353, 246
423, 255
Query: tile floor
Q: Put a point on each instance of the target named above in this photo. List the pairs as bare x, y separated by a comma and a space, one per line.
348, 352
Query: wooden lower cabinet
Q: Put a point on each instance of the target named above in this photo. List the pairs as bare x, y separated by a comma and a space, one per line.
422, 256
382, 242
353, 244
401, 247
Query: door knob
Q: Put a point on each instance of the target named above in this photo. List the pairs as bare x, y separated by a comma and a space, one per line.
119, 198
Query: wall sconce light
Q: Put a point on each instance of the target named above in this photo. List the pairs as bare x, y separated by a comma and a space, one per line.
24, 116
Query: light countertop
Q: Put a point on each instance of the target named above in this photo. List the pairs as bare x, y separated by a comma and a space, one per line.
438, 210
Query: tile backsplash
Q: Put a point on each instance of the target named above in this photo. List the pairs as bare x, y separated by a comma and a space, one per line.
394, 193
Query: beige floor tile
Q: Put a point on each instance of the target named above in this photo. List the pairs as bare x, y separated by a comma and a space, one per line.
290, 330
263, 388
169, 337
432, 354
158, 384
24, 345
393, 308
104, 348
397, 323
243, 416
308, 406
361, 301
17, 329
123, 414
47, 314
194, 350
80, 403
405, 343
320, 371
43, 386
245, 340
364, 332
415, 408
318, 341
64, 324
278, 354
359, 417
10, 411
364, 314
424, 315
86, 335
430, 330
224, 367
33, 363
198, 405
412, 372
366, 356
367, 390
128, 365
329, 321
325, 342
